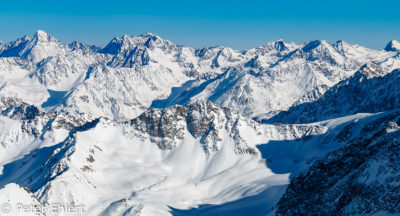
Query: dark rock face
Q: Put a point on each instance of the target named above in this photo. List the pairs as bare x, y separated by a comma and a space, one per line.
17, 109
362, 178
203, 120
36, 122
169, 124
162, 124
199, 116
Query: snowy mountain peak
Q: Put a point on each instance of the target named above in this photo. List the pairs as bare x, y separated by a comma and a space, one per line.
280, 45
24, 38
42, 36
341, 43
41, 33
340, 46
149, 35
311, 45
41, 46
119, 45
274, 46
113, 47
76, 45
13, 48
393, 45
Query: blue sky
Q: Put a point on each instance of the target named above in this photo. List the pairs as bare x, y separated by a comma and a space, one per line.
237, 24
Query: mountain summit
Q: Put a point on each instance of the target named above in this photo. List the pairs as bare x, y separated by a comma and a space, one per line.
393, 45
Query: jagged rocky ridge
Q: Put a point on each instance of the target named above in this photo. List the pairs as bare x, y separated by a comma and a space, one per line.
369, 90
130, 74
360, 178
279, 76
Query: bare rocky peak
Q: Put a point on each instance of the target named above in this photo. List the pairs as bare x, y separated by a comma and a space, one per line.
202, 119
171, 122
371, 69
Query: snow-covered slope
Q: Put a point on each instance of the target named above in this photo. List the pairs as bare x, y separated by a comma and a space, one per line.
369, 90
295, 157
181, 156
178, 157
16, 200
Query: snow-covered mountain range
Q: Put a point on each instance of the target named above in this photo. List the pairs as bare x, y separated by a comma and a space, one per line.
130, 74
143, 126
